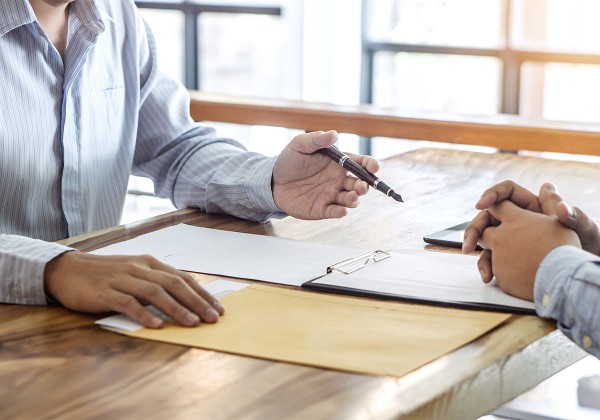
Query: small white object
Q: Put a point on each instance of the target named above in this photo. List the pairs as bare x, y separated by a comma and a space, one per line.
588, 391
546, 301
122, 323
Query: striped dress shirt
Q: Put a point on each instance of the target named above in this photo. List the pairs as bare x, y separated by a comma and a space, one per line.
72, 132
567, 289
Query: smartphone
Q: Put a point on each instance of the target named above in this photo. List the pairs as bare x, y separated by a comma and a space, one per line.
452, 236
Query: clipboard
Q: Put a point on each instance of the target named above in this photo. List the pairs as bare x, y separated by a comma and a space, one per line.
420, 276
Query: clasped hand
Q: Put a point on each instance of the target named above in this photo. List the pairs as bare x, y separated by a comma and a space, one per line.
517, 229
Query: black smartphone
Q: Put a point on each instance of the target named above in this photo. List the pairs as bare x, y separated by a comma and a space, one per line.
452, 236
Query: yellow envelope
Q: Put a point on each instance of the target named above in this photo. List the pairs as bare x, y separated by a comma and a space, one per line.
331, 331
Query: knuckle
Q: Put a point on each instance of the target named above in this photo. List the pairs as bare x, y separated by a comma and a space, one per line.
152, 290
130, 266
102, 297
554, 196
148, 259
126, 302
174, 282
177, 311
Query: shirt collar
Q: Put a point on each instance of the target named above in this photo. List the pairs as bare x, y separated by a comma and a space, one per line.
16, 13
89, 14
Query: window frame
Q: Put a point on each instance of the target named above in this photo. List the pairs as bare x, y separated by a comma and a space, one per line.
512, 59
192, 10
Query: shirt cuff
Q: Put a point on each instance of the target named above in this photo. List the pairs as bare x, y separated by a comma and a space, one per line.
260, 192
22, 265
553, 278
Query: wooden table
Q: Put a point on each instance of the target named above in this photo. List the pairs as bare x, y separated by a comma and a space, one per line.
57, 364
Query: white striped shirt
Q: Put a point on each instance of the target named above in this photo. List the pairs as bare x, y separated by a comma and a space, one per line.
71, 134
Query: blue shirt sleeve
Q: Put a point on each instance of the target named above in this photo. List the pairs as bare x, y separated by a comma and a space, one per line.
22, 264
567, 289
187, 161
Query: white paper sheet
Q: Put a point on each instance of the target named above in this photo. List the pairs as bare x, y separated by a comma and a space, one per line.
241, 255
416, 274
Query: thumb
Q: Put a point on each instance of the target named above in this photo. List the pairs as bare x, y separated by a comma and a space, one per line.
566, 215
311, 142
586, 228
573, 218
549, 199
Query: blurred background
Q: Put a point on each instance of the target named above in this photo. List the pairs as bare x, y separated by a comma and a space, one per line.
537, 58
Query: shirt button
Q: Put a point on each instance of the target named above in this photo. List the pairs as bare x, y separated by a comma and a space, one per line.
587, 341
545, 301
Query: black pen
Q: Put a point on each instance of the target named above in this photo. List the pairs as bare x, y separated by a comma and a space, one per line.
345, 162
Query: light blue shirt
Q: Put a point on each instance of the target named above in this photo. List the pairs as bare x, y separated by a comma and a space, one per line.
72, 132
567, 289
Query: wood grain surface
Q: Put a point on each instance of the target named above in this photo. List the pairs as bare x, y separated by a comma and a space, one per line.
57, 364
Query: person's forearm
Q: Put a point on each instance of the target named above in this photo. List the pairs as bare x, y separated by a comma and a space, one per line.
239, 183
22, 264
567, 289
192, 166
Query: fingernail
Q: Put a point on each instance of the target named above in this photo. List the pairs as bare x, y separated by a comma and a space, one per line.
220, 308
483, 273
570, 211
155, 322
210, 315
192, 319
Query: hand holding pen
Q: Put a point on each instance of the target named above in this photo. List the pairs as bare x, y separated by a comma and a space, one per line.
307, 185
351, 166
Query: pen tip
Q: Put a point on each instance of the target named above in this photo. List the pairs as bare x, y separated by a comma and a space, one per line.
397, 197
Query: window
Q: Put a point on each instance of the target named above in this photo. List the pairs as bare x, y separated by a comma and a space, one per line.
537, 58
531, 57
241, 48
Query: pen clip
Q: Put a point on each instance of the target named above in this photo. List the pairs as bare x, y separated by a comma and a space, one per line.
356, 263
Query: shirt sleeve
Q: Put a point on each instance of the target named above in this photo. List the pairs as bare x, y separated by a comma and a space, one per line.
567, 289
187, 161
22, 264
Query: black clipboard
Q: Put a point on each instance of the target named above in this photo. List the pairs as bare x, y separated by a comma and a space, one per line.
370, 266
